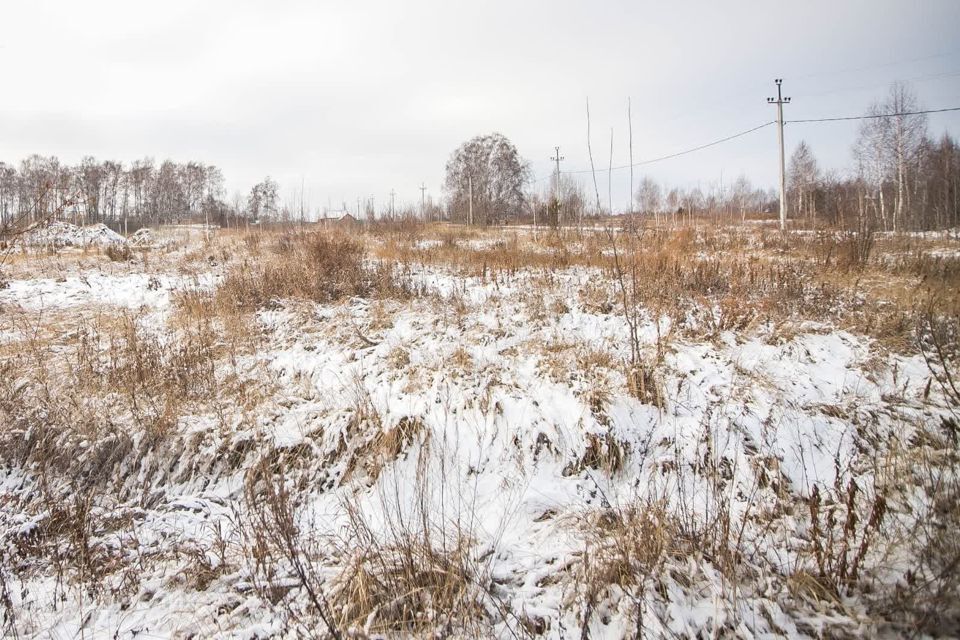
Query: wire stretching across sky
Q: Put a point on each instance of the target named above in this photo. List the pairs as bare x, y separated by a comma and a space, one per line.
872, 116
667, 157
746, 132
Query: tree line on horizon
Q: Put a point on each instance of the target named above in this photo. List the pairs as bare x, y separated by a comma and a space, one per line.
901, 179
143, 192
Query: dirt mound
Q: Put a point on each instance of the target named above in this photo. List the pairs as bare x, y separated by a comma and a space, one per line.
142, 238
58, 234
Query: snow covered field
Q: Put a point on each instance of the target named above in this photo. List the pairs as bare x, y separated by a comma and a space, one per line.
465, 434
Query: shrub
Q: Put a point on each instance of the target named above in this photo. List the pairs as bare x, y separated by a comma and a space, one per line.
316, 266
118, 252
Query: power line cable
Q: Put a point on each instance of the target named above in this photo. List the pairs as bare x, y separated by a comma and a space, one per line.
746, 132
703, 146
863, 87
745, 90
873, 116
884, 65
667, 157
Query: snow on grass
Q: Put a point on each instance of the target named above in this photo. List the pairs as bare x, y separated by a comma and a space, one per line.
472, 405
129, 291
511, 434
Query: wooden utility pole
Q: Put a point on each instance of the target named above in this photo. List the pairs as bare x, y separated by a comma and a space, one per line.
780, 101
470, 191
393, 194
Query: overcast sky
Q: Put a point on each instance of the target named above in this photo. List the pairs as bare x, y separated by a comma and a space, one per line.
358, 98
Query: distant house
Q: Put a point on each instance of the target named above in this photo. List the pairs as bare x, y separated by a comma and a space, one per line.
337, 219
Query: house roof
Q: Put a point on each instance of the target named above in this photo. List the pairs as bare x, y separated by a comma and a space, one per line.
336, 215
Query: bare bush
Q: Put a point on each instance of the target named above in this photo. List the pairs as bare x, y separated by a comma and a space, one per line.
854, 249
323, 267
119, 252
841, 536
275, 545
415, 572
938, 337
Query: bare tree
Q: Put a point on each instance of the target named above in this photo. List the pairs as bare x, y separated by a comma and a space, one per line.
888, 145
262, 201
610, 176
593, 171
649, 198
908, 133
802, 176
489, 170
742, 196
8, 193
573, 200
90, 179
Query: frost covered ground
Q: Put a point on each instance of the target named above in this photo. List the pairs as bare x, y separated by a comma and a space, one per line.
478, 435
58, 234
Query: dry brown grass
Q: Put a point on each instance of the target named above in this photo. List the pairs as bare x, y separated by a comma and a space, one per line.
113, 380
713, 279
317, 266
417, 579
483, 253
382, 445
627, 546
415, 573
604, 453
630, 550
705, 280
120, 388
93, 412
